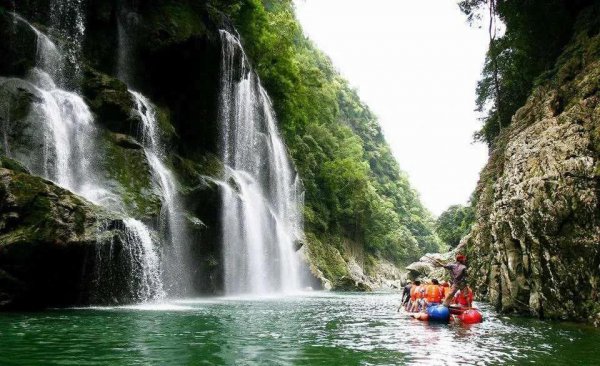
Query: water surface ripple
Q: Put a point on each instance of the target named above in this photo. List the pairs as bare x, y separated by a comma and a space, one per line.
319, 328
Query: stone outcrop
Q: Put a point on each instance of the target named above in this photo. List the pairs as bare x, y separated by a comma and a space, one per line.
535, 247
348, 268
49, 239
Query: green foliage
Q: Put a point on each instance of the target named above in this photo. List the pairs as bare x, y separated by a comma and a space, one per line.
354, 187
536, 33
327, 257
454, 223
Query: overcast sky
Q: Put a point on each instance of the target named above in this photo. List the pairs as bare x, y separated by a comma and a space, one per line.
416, 64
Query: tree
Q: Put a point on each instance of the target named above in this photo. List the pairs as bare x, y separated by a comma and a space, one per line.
536, 32
454, 223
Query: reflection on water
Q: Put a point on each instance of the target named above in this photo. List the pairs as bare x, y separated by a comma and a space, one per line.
320, 328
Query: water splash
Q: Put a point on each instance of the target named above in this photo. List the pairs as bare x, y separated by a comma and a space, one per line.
177, 269
140, 245
118, 279
262, 195
67, 21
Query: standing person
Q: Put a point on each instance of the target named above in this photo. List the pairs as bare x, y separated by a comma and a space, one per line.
419, 294
458, 273
413, 295
445, 289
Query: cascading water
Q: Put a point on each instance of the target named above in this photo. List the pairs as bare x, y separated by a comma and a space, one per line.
172, 222
262, 194
67, 21
67, 149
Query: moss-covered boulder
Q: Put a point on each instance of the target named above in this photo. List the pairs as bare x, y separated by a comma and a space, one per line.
111, 102
22, 121
127, 171
49, 241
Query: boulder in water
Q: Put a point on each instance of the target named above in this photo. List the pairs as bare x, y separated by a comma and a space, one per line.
48, 243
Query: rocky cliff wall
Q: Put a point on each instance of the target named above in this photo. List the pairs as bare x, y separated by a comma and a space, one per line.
535, 247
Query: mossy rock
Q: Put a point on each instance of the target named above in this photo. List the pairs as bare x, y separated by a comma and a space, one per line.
11, 164
346, 283
23, 121
326, 258
127, 168
18, 47
52, 244
111, 102
171, 23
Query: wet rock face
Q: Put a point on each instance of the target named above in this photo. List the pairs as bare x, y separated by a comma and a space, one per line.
17, 47
48, 242
536, 245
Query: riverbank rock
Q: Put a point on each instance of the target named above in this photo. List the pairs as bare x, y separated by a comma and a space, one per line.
424, 268
343, 266
535, 247
49, 239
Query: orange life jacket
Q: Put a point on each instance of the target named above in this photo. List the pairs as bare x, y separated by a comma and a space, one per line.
466, 298
446, 291
421, 292
413, 293
432, 293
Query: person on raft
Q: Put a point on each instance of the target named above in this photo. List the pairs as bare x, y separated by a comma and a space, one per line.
458, 273
406, 294
464, 297
433, 293
416, 297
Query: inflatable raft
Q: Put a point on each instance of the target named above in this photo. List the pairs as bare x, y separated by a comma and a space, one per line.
443, 314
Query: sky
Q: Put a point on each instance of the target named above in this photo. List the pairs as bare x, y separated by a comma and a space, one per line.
416, 64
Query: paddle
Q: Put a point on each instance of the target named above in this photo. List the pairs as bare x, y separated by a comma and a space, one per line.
437, 261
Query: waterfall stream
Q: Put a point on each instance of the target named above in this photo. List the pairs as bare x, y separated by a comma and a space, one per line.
262, 194
66, 155
172, 221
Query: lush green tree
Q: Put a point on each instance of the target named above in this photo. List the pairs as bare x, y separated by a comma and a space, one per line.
454, 223
536, 33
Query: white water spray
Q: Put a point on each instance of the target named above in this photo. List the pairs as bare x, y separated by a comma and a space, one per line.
262, 196
172, 221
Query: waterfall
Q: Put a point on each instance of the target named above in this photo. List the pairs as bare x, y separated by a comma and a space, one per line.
262, 195
118, 276
177, 270
67, 22
172, 221
68, 150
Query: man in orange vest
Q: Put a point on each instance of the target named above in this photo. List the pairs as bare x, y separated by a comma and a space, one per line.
413, 295
416, 297
433, 293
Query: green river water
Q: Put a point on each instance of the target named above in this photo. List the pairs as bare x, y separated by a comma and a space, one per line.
318, 328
